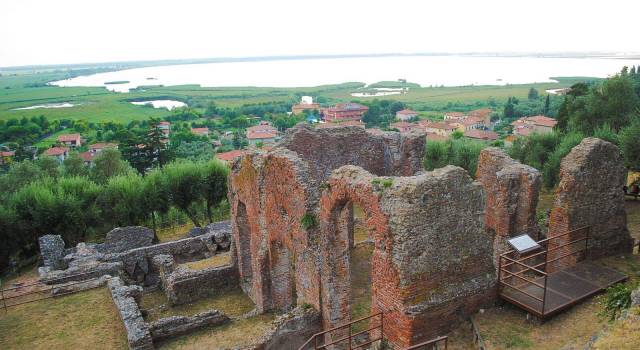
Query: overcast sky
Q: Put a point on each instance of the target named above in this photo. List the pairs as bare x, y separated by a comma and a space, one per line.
77, 31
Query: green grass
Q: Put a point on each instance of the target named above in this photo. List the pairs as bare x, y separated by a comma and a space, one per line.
99, 104
77, 321
232, 303
235, 335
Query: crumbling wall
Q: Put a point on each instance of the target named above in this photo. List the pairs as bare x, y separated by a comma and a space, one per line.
511, 191
126, 299
183, 285
590, 194
274, 203
432, 260
173, 326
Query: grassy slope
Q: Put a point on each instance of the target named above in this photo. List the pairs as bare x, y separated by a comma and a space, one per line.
64, 323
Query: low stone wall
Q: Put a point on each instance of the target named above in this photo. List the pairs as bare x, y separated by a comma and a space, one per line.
126, 299
169, 327
183, 285
82, 273
291, 330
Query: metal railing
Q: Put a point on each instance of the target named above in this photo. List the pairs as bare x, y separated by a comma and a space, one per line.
318, 339
433, 344
530, 278
14, 296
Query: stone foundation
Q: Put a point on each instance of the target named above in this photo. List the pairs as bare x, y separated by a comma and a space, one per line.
174, 326
126, 299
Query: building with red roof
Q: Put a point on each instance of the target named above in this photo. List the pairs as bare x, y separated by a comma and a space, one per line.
98, 147
344, 112
60, 153
71, 140
540, 124
357, 123
200, 131
229, 157
264, 133
406, 114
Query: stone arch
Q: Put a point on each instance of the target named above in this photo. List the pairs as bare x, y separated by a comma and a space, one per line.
337, 238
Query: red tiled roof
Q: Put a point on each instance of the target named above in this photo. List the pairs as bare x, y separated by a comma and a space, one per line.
481, 135
482, 112
56, 151
86, 156
101, 145
262, 128
407, 112
69, 137
261, 135
543, 121
7, 153
339, 124
200, 131
439, 125
231, 155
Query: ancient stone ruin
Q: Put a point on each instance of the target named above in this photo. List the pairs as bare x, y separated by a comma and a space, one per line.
589, 195
434, 237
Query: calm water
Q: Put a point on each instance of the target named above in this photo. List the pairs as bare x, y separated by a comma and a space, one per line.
48, 105
168, 104
424, 70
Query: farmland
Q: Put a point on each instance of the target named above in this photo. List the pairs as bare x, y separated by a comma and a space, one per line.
94, 104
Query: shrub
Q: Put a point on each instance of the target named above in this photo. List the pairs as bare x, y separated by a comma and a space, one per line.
308, 221
617, 299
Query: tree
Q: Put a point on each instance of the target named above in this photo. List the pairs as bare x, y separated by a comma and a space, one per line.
214, 184
74, 166
533, 94
156, 196
49, 166
122, 201
107, 164
547, 104
630, 144
183, 181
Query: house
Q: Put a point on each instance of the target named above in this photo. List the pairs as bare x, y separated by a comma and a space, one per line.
406, 114
306, 104
344, 112
98, 147
263, 132
482, 113
439, 128
469, 123
481, 135
87, 157
403, 126
229, 157
454, 116
165, 127
6, 157
528, 125
200, 131
60, 153
71, 140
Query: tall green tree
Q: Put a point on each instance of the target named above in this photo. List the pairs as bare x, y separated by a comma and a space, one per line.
183, 181
214, 184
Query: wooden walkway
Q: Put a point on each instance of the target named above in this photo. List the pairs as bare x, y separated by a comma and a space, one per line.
565, 288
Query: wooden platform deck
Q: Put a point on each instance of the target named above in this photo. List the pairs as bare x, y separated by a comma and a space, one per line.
565, 288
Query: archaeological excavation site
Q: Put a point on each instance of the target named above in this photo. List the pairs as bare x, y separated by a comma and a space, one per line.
339, 239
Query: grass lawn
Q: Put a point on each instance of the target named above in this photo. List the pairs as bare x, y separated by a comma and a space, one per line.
234, 335
219, 259
79, 321
233, 303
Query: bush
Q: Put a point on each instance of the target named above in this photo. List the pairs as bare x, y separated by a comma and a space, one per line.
308, 221
617, 299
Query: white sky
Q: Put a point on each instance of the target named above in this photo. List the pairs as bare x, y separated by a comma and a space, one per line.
76, 31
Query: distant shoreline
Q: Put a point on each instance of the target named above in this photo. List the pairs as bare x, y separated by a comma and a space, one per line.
120, 65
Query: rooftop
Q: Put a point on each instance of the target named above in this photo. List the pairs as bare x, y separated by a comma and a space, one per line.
481, 135
69, 137
231, 155
56, 151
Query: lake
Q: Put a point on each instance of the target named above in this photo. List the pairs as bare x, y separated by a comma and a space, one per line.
168, 104
424, 70
47, 106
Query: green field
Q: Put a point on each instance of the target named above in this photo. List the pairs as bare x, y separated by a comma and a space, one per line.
98, 104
